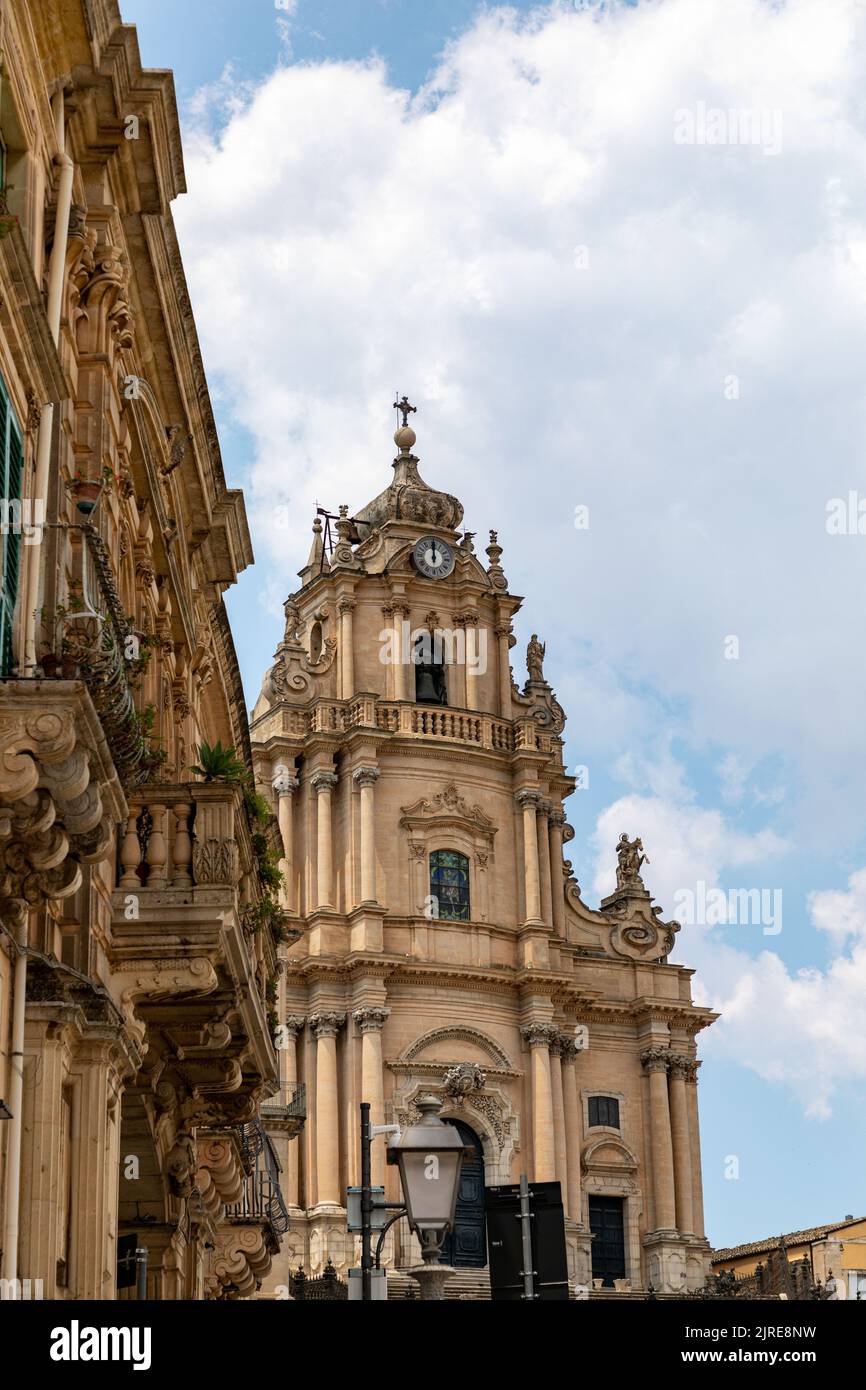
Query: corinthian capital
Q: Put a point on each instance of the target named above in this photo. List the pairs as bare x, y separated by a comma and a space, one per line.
539, 1034
684, 1067
326, 1024
365, 776
528, 796
324, 782
371, 1019
656, 1058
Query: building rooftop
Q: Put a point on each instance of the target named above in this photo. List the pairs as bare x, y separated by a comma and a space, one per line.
761, 1247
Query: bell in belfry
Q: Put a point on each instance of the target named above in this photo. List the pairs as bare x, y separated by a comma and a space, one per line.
426, 692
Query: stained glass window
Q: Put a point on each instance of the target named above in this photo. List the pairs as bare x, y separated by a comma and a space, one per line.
449, 884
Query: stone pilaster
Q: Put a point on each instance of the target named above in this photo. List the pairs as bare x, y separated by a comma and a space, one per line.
325, 1026
365, 778
556, 823
527, 800
542, 811
678, 1070
346, 608
559, 1139
294, 1024
370, 1021
284, 789
655, 1062
538, 1037
323, 785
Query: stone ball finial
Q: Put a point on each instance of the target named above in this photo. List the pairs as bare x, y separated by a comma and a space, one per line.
405, 438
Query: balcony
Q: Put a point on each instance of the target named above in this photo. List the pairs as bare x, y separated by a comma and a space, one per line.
262, 1200
94, 641
405, 719
287, 1119
182, 957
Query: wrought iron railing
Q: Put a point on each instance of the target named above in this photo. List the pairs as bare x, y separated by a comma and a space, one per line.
262, 1199
96, 642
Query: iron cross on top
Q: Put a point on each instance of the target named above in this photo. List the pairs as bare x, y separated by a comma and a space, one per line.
405, 408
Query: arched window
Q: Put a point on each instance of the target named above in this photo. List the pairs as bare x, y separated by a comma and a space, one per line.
449, 884
430, 684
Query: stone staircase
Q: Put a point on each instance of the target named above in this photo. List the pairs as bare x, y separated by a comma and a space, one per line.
464, 1284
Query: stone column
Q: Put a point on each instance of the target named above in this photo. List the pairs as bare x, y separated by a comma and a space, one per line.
678, 1069
541, 814
294, 1025
503, 635
323, 785
95, 1170
695, 1144
402, 670
557, 821
470, 624
655, 1060
539, 1037
325, 1027
371, 1021
527, 800
559, 1142
285, 788
366, 778
573, 1125
346, 608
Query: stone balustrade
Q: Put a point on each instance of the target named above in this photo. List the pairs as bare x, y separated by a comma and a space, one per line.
184, 835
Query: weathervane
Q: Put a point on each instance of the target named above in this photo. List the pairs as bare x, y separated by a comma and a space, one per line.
405, 409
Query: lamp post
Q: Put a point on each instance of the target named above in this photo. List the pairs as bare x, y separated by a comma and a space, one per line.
429, 1155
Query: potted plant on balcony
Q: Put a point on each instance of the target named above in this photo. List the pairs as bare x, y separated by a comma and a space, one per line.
218, 764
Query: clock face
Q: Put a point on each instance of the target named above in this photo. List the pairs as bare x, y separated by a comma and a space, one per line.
433, 558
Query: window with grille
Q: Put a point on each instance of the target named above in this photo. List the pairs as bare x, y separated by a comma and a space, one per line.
449, 884
603, 1110
11, 468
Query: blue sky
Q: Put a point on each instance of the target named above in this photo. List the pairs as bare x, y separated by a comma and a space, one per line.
670, 332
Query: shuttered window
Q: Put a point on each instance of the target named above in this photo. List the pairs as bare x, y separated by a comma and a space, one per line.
11, 469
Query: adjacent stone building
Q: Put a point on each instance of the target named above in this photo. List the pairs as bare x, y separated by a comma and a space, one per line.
445, 946
138, 954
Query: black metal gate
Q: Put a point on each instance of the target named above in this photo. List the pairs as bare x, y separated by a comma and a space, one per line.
327, 1288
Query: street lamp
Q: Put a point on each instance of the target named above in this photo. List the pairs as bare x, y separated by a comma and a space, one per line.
429, 1155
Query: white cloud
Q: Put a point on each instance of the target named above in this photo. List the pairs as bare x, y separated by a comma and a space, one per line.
798, 1028
344, 239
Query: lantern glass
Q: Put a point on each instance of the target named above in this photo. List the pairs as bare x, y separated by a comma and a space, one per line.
430, 1186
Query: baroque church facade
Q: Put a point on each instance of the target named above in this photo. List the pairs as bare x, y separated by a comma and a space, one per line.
441, 943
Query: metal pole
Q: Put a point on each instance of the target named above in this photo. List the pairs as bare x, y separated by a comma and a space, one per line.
366, 1206
526, 1239
141, 1272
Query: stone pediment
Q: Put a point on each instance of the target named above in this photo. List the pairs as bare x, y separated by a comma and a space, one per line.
447, 808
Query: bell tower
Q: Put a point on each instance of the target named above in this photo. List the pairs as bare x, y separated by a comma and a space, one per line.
442, 942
